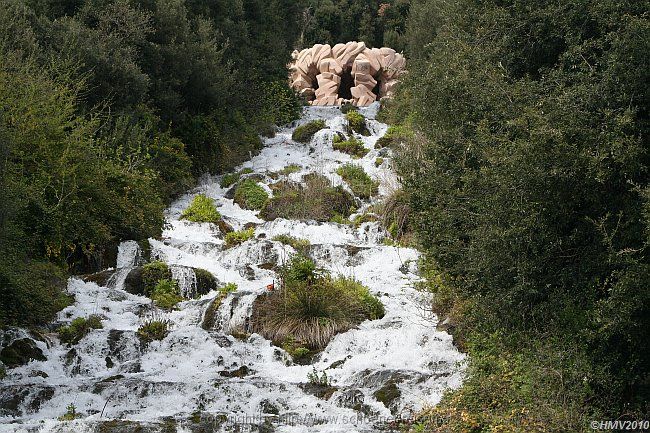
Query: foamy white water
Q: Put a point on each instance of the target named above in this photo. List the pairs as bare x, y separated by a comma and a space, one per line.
109, 375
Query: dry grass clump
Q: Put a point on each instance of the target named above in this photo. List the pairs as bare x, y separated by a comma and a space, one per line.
315, 199
311, 306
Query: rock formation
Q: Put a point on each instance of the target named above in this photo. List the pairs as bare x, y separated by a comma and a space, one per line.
346, 73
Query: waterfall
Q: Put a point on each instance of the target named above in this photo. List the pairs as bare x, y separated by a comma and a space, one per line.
128, 257
224, 372
186, 278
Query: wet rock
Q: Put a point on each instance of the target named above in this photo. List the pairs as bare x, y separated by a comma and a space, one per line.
39, 397
205, 282
99, 278
131, 367
268, 407
247, 272
20, 352
38, 373
109, 362
250, 225
230, 194
353, 249
224, 227
388, 393
134, 283
267, 266
242, 371
339, 363
353, 399
318, 390
11, 399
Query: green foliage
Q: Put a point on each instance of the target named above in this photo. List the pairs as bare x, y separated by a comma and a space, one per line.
250, 195
152, 273
364, 218
315, 199
70, 414
229, 179
166, 294
297, 243
201, 210
356, 123
228, 288
304, 133
283, 105
352, 146
316, 378
394, 136
358, 180
527, 181
153, 330
311, 306
379, 162
289, 169
239, 237
78, 329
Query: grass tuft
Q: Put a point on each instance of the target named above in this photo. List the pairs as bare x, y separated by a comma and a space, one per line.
358, 180
166, 294
304, 133
352, 146
356, 122
78, 329
239, 237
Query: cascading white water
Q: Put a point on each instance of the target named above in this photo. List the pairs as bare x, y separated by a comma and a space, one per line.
111, 375
128, 257
186, 278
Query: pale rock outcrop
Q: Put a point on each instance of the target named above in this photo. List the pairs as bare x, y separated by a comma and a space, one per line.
316, 73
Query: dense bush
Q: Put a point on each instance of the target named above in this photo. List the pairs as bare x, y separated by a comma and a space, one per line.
352, 146
315, 199
527, 180
250, 195
358, 180
201, 210
312, 306
304, 133
78, 329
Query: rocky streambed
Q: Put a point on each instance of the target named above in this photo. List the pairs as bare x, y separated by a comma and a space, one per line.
210, 373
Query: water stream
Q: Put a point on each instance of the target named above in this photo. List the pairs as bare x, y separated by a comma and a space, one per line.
208, 380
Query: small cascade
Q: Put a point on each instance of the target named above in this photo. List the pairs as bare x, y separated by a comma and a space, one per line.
186, 278
128, 257
207, 362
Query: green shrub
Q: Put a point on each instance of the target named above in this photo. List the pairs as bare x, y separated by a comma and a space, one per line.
358, 180
78, 329
152, 273
239, 237
395, 213
316, 199
153, 330
228, 288
347, 107
339, 219
379, 162
291, 168
282, 105
316, 378
311, 306
304, 133
297, 243
352, 146
250, 195
71, 413
356, 123
166, 294
365, 218
201, 210
394, 136
229, 179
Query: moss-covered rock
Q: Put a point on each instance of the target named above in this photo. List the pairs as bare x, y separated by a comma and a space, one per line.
316, 199
152, 273
394, 136
205, 282
352, 146
388, 393
250, 195
304, 133
356, 123
20, 352
358, 180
